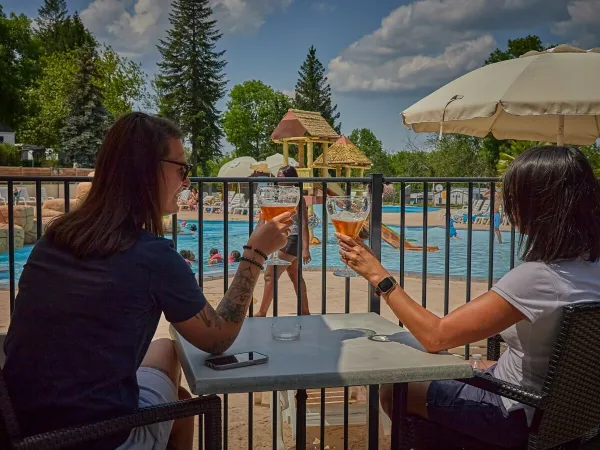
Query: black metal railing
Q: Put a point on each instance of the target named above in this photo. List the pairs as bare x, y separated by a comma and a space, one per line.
376, 183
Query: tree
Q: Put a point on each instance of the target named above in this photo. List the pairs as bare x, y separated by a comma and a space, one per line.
372, 147
122, 82
19, 68
413, 163
492, 147
49, 100
457, 155
253, 111
191, 78
313, 92
60, 32
88, 120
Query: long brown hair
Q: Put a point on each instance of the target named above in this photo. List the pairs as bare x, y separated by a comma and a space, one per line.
124, 197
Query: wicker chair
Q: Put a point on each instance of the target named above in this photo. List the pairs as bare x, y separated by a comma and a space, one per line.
208, 406
567, 409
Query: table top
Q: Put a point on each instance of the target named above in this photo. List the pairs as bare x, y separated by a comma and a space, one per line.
333, 350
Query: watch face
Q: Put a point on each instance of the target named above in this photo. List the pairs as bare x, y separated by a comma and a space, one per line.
386, 284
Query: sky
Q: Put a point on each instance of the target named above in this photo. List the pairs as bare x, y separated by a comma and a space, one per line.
381, 56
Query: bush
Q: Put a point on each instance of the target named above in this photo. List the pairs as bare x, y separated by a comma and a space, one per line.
9, 155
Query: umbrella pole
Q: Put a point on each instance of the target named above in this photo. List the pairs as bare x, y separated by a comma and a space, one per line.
560, 137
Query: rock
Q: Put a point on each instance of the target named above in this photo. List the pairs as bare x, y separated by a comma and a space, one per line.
19, 237
82, 192
23, 216
50, 213
58, 205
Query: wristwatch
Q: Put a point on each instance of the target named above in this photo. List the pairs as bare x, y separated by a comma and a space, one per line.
386, 286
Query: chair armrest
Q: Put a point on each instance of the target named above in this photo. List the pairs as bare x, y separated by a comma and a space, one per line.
66, 437
515, 392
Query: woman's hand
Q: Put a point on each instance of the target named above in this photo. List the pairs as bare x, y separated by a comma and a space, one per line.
361, 259
271, 236
306, 256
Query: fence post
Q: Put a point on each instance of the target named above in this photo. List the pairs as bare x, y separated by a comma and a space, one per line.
375, 229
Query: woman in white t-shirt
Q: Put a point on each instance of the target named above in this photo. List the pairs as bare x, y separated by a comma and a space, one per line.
553, 198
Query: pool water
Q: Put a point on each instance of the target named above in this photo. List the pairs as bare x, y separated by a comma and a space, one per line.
238, 236
407, 208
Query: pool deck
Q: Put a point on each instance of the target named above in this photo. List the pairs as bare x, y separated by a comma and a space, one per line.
238, 403
434, 219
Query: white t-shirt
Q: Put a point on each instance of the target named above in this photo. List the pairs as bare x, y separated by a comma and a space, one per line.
540, 291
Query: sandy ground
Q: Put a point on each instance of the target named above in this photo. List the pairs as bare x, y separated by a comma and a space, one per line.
238, 404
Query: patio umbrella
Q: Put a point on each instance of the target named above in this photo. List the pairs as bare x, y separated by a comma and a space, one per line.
274, 163
238, 167
552, 96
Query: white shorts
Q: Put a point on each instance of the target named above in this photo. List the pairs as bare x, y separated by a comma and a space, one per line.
155, 388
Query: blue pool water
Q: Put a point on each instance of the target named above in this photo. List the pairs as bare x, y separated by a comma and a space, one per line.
238, 235
407, 208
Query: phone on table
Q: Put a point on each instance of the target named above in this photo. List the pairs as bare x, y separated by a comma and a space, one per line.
237, 360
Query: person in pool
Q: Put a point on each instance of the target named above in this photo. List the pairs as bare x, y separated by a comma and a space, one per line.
78, 348
214, 256
552, 197
452, 231
289, 253
234, 256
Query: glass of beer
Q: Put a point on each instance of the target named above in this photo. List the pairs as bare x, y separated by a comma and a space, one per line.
348, 214
273, 201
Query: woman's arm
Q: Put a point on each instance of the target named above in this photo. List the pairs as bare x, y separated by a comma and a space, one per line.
483, 317
214, 330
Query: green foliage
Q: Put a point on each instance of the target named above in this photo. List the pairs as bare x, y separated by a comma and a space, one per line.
593, 155
88, 120
60, 32
313, 92
372, 147
19, 54
515, 48
48, 100
253, 111
122, 82
413, 163
191, 79
457, 155
9, 155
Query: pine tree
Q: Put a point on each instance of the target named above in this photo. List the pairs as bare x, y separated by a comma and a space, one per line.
60, 32
313, 92
88, 120
191, 78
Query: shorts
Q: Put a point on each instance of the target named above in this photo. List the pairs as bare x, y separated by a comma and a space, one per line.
155, 388
496, 220
291, 248
477, 413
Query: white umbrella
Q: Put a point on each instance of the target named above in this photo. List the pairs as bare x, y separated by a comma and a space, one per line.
542, 96
238, 167
274, 163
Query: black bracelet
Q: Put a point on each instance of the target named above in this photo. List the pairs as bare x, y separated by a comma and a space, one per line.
252, 261
259, 252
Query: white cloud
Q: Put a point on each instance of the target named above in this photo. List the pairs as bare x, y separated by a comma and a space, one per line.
428, 42
289, 92
581, 29
134, 27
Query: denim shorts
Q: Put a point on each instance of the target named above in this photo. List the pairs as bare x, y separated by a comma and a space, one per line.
477, 413
155, 388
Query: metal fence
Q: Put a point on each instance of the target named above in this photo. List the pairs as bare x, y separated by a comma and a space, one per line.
376, 183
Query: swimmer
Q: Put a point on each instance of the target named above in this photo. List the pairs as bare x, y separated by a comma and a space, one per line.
193, 228
234, 256
215, 257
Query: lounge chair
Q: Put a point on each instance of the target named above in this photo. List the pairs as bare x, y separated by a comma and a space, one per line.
183, 199
4, 195
243, 209
45, 196
334, 411
208, 406
24, 198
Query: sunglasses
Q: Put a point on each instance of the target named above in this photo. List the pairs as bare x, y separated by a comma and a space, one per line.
185, 170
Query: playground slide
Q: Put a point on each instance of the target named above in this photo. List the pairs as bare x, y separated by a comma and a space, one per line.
333, 189
393, 239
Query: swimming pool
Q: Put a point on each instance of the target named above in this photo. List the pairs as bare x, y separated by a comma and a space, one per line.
238, 235
407, 208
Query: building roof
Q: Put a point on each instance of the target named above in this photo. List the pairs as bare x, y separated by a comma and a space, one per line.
303, 125
6, 129
344, 154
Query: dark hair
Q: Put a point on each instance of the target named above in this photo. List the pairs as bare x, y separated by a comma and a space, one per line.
236, 256
289, 172
213, 251
185, 253
552, 195
124, 196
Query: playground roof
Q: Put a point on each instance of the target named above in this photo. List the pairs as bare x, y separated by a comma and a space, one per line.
302, 126
344, 154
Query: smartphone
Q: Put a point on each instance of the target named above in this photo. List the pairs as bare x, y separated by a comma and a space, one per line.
237, 360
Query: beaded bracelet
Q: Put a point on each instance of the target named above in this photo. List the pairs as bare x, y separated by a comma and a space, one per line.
259, 252
252, 261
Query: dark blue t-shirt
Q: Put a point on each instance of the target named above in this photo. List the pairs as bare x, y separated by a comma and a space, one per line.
81, 328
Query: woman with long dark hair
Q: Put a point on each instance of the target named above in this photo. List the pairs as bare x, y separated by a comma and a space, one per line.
552, 197
91, 295
289, 253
